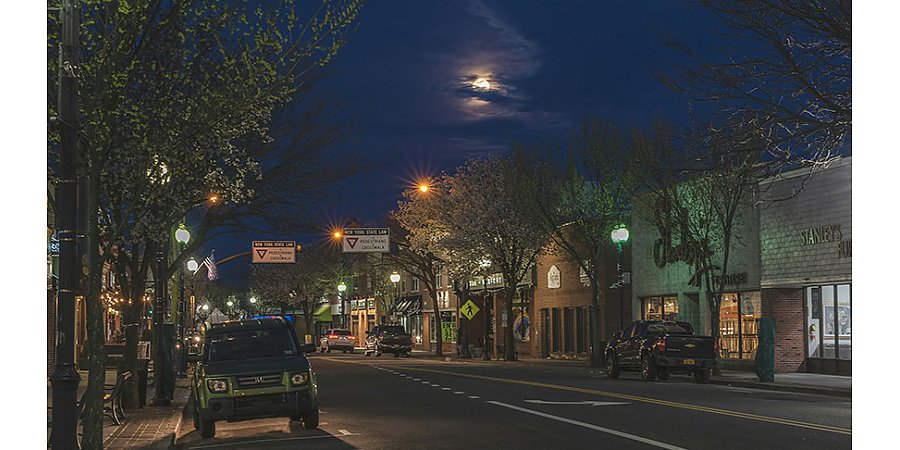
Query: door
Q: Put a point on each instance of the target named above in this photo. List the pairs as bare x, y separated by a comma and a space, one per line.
623, 346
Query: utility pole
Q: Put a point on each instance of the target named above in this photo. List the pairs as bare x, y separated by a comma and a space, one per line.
64, 379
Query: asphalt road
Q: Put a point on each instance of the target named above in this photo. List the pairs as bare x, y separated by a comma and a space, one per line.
416, 403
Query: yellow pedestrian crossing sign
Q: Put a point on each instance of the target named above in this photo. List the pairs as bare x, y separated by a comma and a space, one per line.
469, 309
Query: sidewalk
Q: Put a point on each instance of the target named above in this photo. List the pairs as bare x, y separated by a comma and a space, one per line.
151, 427
809, 383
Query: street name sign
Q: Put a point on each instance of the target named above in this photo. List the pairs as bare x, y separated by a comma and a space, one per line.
366, 240
277, 252
469, 309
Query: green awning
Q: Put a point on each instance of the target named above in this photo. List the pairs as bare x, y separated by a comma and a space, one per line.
323, 314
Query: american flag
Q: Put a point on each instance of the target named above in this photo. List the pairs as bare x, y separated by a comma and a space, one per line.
211, 272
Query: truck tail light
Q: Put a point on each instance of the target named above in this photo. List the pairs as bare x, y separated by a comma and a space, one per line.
661, 345
332, 336
352, 338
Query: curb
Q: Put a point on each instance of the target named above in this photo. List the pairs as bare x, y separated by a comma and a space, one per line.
783, 387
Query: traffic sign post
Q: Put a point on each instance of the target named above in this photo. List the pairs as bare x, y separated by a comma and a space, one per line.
274, 252
366, 240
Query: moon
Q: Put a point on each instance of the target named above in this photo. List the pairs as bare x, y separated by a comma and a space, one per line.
482, 83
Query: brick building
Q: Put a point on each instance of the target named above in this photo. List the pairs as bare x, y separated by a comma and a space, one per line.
562, 299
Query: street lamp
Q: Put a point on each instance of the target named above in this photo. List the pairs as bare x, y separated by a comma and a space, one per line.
619, 236
395, 278
341, 288
485, 264
182, 235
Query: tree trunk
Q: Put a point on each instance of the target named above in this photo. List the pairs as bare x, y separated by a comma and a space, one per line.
131, 314
510, 350
439, 338
93, 412
596, 347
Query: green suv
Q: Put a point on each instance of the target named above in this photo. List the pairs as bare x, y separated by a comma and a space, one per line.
250, 369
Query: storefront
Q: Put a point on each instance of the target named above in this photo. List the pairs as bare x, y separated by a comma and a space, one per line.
408, 311
807, 268
671, 281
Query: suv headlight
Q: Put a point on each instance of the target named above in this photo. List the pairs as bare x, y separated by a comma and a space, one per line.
299, 378
217, 386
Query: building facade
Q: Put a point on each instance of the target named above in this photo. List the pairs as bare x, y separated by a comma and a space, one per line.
790, 260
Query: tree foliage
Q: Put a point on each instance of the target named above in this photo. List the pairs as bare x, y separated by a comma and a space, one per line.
176, 101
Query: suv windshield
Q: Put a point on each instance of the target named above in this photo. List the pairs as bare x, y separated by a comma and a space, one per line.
341, 332
246, 344
393, 329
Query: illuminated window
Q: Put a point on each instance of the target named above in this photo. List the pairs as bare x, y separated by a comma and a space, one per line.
739, 314
660, 308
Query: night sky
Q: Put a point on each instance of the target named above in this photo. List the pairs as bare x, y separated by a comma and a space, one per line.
406, 86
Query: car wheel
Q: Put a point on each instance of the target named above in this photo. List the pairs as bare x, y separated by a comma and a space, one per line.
702, 375
377, 353
311, 419
612, 366
662, 373
207, 428
328, 349
648, 369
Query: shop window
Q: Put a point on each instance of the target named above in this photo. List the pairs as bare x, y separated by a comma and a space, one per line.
660, 308
829, 324
739, 315
568, 340
448, 327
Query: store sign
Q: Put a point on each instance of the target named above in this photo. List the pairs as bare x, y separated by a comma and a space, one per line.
554, 278
818, 235
733, 279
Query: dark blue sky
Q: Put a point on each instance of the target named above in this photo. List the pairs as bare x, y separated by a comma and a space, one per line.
405, 84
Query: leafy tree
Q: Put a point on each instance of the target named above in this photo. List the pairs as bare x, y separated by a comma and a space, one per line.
174, 97
579, 203
419, 243
479, 219
788, 88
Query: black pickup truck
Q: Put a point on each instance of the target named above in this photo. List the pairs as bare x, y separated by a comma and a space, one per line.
657, 348
388, 339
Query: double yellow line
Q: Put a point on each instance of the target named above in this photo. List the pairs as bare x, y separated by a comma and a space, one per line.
706, 409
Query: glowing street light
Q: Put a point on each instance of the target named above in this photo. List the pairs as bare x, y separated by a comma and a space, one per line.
619, 237
192, 265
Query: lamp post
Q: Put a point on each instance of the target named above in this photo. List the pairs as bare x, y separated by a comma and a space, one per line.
252, 305
395, 278
346, 316
619, 237
485, 264
183, 236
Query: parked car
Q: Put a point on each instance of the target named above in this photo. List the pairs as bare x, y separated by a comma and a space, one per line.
388, 339
335, 339
251, 369
658, 348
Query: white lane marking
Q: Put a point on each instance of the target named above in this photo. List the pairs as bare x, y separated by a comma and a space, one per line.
586, 402
425, 382
417, 379
474, 396
345, 433
458, 392
592, 427
257, 441
435, 385
445, 389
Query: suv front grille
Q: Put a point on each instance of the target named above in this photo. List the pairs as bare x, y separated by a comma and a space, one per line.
255, 381
259, 401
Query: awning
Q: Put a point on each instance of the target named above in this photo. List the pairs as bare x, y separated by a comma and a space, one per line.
323, 314
408, 306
